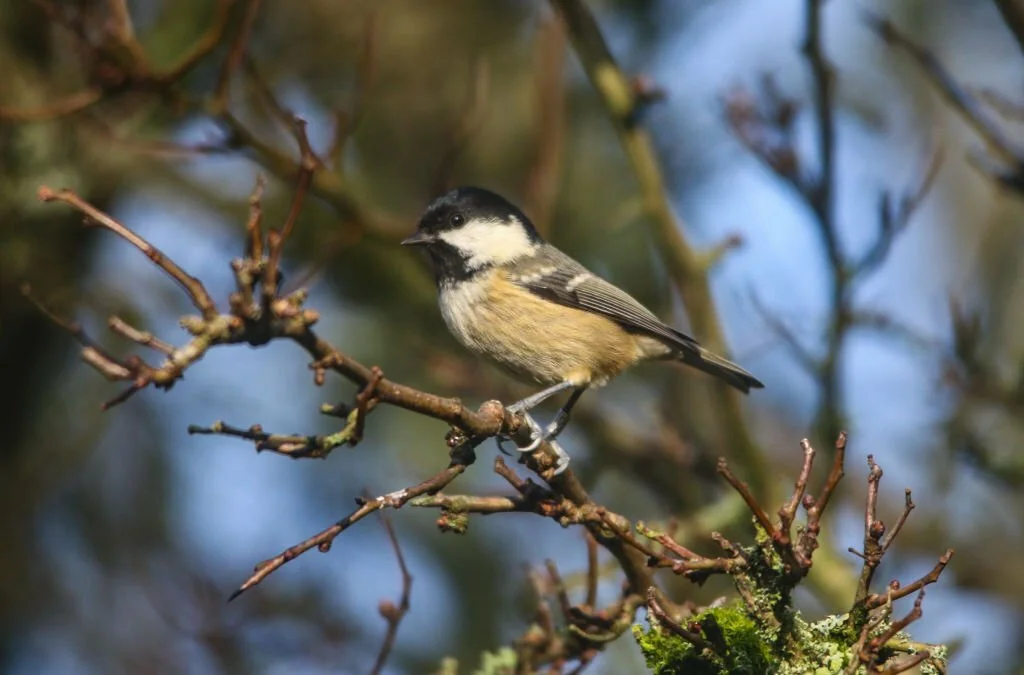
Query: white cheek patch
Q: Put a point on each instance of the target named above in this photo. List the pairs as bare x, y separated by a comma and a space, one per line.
486, 242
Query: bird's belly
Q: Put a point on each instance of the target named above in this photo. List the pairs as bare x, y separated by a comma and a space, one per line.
536, 340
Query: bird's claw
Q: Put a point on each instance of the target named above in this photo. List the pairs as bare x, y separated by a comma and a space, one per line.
538, 437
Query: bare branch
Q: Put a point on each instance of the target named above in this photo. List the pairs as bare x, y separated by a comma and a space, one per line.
759, 513
323, 540
877, 600
894, 532
192, 286
144, 338
664, 620
893, 221
816, 507
970, 109
393, 614
235, 56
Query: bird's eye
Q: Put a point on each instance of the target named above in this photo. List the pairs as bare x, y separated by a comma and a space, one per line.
457, 219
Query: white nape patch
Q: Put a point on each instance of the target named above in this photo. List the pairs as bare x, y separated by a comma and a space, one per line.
577, 280
490, 241
536, 275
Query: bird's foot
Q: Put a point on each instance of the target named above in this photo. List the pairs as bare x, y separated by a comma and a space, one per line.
539, 436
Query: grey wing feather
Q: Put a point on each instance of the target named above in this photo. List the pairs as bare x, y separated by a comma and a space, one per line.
553, 275
557, 277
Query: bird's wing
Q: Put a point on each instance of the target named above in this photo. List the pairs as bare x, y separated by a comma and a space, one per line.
555, 276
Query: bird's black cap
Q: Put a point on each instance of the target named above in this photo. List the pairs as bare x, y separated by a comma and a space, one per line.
457, 207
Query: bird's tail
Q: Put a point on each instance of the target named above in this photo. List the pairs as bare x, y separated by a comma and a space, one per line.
725, 370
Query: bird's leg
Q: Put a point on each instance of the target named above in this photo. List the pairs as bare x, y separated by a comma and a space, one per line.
562, 417
524, 405
538, 434
534, 400
556, 426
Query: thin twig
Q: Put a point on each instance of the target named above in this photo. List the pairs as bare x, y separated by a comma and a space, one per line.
144, 338
816, 507
890, 536
874, 529
192, 286
665, 621
323, 540
235, 56
744, 490
593, 571
788, 512
393, 614
892, 221
308, 164
876, 600
961, 100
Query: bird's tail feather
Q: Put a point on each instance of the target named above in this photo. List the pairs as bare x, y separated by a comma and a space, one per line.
723, 369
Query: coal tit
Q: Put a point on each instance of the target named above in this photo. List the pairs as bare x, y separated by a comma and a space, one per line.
518, 301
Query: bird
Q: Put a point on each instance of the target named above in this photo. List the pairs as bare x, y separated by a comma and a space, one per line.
521, 303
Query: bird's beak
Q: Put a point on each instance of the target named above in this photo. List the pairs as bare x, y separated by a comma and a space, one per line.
418, 239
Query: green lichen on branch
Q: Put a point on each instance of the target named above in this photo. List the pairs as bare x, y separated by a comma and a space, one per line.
747, 651
746, 647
